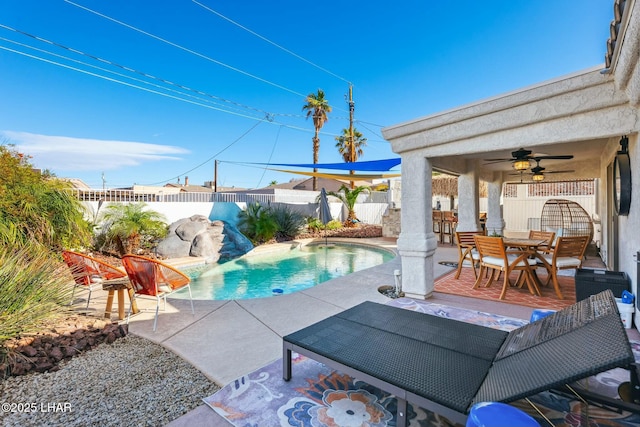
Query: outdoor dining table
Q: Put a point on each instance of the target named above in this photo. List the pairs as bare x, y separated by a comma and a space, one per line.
529, 247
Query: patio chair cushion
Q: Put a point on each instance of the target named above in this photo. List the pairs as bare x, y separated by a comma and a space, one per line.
563, 262
510, 258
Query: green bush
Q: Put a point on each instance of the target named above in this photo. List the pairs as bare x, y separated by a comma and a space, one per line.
315, 225
32, 290
38, 207
334, 224
257, 223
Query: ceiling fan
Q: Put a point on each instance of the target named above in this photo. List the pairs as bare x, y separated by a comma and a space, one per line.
538, 171
521, 159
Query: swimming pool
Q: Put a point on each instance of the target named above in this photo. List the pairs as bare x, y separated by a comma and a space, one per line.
273, 274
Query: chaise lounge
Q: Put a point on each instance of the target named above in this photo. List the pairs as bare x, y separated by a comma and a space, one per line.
446, 366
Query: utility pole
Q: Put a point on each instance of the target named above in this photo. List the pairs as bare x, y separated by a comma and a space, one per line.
352, 149
215, 176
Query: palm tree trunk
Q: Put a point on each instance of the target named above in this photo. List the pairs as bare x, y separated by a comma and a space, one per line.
316, 150
120, 246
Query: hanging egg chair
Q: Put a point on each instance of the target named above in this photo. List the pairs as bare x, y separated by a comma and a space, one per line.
566, 218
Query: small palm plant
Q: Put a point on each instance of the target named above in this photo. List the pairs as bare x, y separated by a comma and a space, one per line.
130, 226
349, 198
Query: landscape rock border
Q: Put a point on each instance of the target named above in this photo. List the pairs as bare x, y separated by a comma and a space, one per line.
56, 343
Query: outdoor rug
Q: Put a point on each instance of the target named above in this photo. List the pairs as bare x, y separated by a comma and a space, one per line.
317, 396
463, 286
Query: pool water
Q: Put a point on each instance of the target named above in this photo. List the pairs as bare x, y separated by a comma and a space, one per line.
280, 273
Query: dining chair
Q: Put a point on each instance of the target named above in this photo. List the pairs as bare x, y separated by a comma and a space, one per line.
547, 236
567, 254
495, 257
467, 253
154, 278
88, 272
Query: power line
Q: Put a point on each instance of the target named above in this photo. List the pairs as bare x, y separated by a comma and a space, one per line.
214, 156
124, 67
144, 74
273, 149
270, 42
136, 79
125, 83
193, 52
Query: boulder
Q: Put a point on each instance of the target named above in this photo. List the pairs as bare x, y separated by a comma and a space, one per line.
197, 236
204, 246
189, 230
173, 247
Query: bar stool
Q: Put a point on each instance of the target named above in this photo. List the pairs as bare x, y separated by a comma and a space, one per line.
448, 227
496, 414
437, 223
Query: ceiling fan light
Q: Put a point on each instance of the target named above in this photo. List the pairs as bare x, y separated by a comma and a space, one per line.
537, 177
521, 165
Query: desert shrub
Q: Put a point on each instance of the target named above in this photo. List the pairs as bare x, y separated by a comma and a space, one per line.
33, 289
289, 222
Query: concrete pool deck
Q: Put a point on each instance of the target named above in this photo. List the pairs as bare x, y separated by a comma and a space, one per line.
227, 339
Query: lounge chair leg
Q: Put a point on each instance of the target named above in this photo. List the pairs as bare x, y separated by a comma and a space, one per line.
286, 364
155, 321
88, 299
131, 302
401, 420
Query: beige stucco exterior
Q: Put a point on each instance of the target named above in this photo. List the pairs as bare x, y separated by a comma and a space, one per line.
584, 114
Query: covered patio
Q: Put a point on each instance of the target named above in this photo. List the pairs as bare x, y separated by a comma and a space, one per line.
584, 115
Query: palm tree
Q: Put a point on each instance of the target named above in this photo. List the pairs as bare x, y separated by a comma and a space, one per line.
344, 145
345, 149
349, 198
317, 107
130, 224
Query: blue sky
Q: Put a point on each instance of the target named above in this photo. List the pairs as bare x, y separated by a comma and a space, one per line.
238, 98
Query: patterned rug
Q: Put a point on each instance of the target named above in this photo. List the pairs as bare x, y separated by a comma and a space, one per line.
318, 396
463, 286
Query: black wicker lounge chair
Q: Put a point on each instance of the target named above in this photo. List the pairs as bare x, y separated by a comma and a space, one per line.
446, 366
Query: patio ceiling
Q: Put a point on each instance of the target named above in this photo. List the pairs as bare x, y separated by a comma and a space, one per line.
585, 163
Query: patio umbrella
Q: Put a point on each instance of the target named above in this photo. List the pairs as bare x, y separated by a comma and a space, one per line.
325, 212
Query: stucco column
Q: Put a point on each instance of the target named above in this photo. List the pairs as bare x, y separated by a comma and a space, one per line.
417, 243
468, 201
495, 222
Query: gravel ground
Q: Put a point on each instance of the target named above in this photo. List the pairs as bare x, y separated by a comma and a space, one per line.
132, 382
